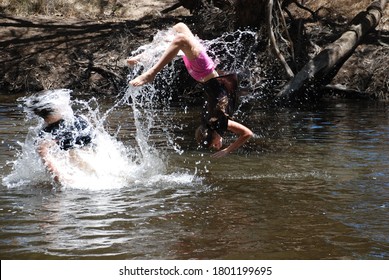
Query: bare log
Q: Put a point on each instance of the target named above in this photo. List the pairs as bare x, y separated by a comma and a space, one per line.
171, 8
320, 70
345, 92
191, 5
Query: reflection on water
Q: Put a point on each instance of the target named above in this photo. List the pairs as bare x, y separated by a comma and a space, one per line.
313, 184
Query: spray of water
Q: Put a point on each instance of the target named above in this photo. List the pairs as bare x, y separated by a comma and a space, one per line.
109, 163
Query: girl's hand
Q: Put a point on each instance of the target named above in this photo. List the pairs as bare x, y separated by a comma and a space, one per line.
220, 154
244, 134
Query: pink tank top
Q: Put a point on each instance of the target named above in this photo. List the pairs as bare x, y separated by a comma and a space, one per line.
200, 67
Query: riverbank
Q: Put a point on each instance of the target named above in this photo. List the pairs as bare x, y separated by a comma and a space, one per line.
87, 53
42, 52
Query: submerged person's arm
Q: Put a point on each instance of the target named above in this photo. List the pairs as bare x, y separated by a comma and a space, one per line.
48, 161
244, 134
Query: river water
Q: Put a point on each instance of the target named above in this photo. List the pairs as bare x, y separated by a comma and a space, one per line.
312, 184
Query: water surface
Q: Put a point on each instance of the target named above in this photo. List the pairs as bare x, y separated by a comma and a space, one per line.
313, 184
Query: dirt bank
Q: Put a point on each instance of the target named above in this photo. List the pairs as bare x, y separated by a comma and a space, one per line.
42, 52
88, 54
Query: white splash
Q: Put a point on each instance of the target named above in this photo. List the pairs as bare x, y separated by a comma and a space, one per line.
109, 163
106, 164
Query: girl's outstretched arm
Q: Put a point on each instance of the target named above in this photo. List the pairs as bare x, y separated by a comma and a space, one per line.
244, 134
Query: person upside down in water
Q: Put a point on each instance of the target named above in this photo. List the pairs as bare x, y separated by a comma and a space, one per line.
61, 129
221, 91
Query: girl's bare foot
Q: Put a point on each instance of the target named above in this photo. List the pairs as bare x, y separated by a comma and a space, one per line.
133, 60
142, 79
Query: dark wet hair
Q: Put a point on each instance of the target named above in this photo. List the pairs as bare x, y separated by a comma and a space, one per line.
43, 112
204, 136
47, 103
38, 106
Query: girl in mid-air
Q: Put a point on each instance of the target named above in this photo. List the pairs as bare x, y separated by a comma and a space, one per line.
221, 91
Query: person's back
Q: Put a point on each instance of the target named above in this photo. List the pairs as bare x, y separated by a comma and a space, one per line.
69, 135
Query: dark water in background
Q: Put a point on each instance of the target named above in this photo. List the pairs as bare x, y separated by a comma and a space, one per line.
314, 184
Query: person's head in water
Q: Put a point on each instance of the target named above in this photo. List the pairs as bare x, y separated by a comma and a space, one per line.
49, 104
208, 138
41, 111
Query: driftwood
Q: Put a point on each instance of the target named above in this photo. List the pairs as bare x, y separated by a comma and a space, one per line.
321, 69
188, 4
344, 92
171, 8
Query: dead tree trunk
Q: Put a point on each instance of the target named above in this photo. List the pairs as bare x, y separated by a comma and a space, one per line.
321, 69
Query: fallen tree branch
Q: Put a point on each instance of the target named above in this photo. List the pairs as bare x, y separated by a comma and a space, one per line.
322, 68
171, 8
273, 42
345, 92
290, 41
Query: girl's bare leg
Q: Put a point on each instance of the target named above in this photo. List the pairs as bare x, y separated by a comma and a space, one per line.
184, 41
150, 74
